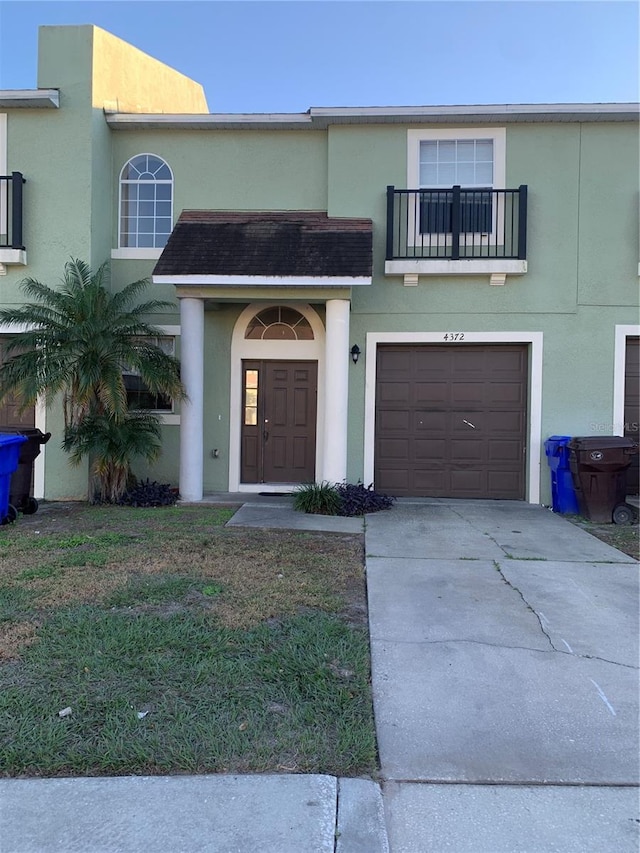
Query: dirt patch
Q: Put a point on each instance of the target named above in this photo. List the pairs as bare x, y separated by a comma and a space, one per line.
624, 537
167, 559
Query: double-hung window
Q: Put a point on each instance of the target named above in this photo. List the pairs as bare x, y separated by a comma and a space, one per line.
471, 159
146, 203
138, 394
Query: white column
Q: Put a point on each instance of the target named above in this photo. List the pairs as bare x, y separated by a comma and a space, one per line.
192, 410
336, 390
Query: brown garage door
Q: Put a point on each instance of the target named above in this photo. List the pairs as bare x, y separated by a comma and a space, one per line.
632, 406
451, 421
10, 417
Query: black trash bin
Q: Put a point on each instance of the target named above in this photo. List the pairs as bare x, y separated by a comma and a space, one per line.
599, 466
20, 489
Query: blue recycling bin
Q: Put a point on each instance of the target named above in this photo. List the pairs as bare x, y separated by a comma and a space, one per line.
9, 455
563, 495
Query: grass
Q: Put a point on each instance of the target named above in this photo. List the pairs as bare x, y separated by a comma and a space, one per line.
180, 646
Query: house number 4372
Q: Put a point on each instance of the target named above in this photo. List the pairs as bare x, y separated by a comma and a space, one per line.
454, 336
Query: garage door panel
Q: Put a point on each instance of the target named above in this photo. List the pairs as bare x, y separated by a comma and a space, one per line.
393, 420
395, 481
433, 450
395, 392
467, 393
462, 412
504, 451
430, 393
469, 450
395, 448
436, 422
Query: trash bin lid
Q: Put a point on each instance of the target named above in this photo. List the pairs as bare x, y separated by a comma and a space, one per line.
11, 438
601, 442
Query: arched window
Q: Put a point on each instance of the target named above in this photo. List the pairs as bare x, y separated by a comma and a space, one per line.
279, 324
146, 202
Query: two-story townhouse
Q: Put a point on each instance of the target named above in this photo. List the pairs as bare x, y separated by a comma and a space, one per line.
415, 297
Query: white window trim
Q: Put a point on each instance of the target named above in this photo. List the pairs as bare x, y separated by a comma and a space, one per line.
242, 350
498, 135
167, 418
534, 434
622, 332
137, 249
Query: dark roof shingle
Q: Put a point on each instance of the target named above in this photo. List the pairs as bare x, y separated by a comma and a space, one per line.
274, 243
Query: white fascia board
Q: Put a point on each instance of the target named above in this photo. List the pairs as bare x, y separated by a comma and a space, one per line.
263, 280
212, 121
470, 111
30, 98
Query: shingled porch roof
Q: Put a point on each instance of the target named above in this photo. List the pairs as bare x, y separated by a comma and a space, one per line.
302, 245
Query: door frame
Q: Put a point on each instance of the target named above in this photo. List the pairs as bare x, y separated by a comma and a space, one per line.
258, 350
622, 332
534, 391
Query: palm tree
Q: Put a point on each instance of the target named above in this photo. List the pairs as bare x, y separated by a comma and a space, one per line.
76, 341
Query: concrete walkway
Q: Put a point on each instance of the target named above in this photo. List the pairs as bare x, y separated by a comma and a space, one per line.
505, 677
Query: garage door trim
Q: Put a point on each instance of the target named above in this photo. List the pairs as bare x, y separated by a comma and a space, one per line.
534, 431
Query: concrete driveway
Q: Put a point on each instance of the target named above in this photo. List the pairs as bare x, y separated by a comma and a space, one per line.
505, 674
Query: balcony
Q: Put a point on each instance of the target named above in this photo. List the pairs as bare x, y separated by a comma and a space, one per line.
12, 250
456, 231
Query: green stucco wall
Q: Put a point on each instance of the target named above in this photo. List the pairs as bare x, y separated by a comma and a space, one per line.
583, 247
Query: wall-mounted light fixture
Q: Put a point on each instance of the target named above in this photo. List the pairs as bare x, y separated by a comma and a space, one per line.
355, 353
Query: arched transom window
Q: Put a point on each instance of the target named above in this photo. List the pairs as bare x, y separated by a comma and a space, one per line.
146, 202
279, 324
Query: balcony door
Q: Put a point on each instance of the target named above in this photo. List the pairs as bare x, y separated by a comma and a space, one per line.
278, 436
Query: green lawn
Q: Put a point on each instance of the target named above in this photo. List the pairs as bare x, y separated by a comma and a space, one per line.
180, 646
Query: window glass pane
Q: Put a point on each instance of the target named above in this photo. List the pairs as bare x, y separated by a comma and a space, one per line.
428, 152
251, 417
251, 396
466, 151
144, 241
484, 150
160, 241
446, 151
146, 192
162, 172
466, 174
163, 192
484, 173
251, 379
163, 208
428, 174
163, 225
146, 208
446, 174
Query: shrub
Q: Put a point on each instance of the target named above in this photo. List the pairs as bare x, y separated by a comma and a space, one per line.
358, 499
147, 493
345, 499
317, 498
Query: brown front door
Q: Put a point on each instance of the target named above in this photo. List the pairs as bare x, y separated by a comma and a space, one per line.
451, 421
279, 421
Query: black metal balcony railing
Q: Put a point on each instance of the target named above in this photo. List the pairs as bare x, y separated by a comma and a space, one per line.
456, 224
11, 211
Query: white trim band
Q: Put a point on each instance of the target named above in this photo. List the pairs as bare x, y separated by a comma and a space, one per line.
263, 280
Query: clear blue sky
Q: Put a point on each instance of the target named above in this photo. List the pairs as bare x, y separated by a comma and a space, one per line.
288, 56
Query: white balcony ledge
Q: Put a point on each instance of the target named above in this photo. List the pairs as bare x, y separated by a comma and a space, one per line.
12, 257
496, 268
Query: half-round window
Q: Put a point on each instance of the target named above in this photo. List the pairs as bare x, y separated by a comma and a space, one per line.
279, 324
146, 202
